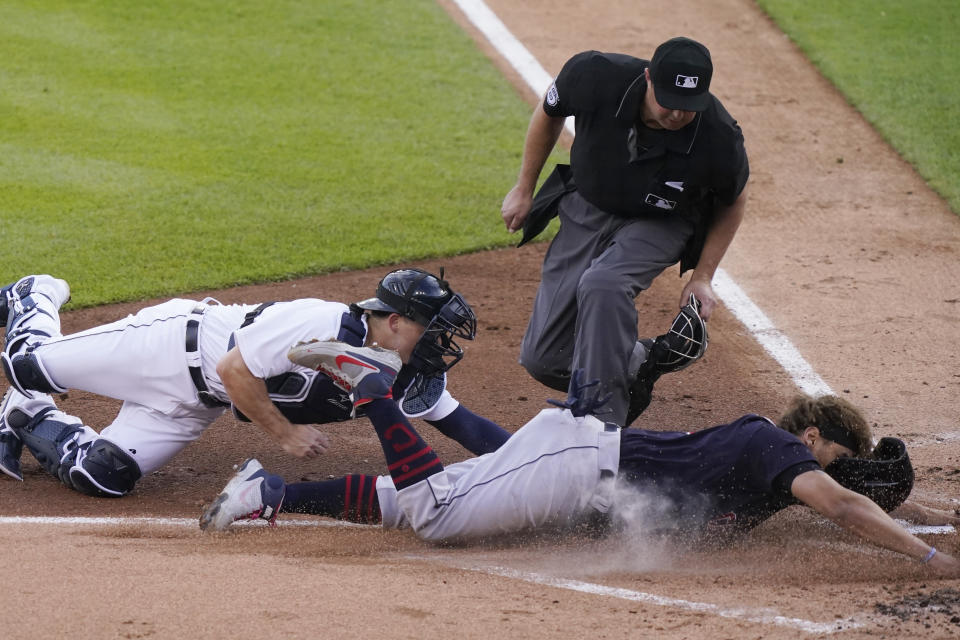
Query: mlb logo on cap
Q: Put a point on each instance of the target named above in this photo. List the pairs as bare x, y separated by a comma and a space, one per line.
680, 71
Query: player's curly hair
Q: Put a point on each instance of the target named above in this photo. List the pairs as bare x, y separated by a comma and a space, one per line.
805, 411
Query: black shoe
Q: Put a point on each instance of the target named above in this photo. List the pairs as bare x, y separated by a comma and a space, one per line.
10, 445
10, 450
641, 392
641, 389
4, 304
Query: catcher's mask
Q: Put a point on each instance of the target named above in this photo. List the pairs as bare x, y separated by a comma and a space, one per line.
885, 476
427, 300
686, 340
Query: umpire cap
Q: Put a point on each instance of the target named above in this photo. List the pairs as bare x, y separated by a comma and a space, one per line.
681, 70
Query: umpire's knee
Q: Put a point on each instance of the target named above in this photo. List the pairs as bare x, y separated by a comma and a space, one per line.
552, 379
601, 283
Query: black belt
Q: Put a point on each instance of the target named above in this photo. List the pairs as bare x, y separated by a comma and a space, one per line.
193, 359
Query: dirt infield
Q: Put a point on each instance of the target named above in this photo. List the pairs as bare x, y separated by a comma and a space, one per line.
844, 247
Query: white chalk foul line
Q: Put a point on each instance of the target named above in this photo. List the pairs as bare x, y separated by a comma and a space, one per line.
312, 522
763, 616
168, 522
533, 73
770, 338
760, 616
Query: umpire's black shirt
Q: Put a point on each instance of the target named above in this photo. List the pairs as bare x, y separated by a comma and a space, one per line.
623, 167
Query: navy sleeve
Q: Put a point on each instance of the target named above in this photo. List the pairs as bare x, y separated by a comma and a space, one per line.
783, 482
774, 454
477, 434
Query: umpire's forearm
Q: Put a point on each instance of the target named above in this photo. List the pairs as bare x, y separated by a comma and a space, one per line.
542, 136
725, 225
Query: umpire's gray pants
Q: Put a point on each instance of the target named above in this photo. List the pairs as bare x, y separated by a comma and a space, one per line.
584, 314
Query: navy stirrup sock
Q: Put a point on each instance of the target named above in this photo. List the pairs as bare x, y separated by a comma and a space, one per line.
352, 498
409, 458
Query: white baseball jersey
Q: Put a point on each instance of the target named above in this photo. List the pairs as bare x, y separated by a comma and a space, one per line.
142, 360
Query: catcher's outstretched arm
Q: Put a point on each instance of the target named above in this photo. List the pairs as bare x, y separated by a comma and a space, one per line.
249, 394
860, 515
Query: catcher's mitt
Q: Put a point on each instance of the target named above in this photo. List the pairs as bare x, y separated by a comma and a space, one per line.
886, 476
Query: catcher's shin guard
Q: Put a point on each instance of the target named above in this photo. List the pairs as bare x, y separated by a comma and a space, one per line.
51, 435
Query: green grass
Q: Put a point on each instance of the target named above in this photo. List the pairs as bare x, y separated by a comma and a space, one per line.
149, 149
156, 148
897, 63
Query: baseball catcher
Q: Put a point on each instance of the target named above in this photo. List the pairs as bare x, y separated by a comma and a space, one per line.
179, 365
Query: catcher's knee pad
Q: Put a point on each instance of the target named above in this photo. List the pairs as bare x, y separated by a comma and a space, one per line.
26, 373
100, 468
50, 435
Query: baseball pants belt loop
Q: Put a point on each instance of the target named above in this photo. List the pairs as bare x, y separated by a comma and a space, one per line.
608, 459
193, 356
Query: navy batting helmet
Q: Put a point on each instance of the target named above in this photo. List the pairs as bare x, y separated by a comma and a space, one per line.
427, 300
885, 476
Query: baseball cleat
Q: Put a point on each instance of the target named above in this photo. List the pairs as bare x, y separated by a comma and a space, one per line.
6, 295
641, 388
10, 445
252, 493
10, 451
367, 373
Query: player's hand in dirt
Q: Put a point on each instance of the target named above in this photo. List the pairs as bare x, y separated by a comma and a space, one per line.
304, 441
944, 564
919, 514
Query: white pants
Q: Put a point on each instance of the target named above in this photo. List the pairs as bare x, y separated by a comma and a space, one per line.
140, 359
552, 472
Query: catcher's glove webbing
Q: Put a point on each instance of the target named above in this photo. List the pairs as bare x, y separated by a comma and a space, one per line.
886, 476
